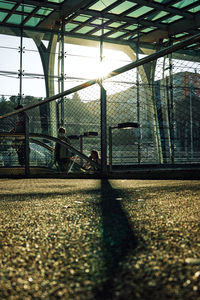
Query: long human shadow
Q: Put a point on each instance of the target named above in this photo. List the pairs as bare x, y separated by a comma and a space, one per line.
118, 237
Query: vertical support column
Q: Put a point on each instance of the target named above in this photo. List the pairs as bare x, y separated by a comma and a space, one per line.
81, 147
52, 116
138, 101
147, 75
110, 148
27, 148
171, 119
103, 117
19, 101
47, 54
103, 132
191, 123
157, 131
62, 71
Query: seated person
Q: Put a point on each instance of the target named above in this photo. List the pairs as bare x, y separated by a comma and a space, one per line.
94, 155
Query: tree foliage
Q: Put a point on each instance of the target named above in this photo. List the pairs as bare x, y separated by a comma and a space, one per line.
7, 106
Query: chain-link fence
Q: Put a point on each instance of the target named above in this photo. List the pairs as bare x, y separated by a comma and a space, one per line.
162, 97
82, 124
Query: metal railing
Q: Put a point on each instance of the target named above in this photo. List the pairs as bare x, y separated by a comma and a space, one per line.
154, 125
10, 141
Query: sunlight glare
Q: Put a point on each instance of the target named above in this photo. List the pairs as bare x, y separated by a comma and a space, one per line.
88, 65
99, 70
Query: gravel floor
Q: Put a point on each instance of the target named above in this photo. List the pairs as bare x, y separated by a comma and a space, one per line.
99, 239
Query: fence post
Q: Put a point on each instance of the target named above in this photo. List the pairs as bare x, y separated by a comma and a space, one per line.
191, 124
103, 132
27, 149
110, 148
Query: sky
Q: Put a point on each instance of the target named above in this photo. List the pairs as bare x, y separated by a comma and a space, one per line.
80, 62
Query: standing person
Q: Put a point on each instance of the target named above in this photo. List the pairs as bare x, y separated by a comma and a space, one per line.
20, 127
62, 153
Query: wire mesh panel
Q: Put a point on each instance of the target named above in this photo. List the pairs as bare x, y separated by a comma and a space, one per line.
13, 148
160, 97
163, 98
81, 121
176, 94
186, 93
130, 100
82, 118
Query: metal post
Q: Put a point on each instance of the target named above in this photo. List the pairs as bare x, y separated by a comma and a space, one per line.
110, 148
81, 147
27, 149
171, 108
62, 71
103, 118
138, 101
191, 125
103, 132
20, 67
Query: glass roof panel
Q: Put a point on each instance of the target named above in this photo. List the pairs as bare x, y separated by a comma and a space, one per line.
2, 16
162, 1
99, 32
194, 9
101, 5
44, 11
172, 19
183, 3
131, 27
56, 1
116, 24
105, 9
159, 15
131, 37
25, 8
148, 29
99, 21
122, 7
180, 34
140, 11
85, 29
33, 21
69, 27
116, 34
82, 18
15, 19
189, 46
7, 5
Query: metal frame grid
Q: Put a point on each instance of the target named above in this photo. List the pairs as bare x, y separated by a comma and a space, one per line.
145, 92
114, 21
155, 91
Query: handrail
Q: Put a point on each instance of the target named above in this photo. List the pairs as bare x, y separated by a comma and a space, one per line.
42, 144
142, 61
54, 139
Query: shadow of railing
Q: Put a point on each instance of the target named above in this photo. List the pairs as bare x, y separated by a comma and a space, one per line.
118, 237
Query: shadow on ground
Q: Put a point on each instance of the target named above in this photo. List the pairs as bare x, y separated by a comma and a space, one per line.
118, 237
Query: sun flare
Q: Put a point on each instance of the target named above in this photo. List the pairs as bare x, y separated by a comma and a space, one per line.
87, 63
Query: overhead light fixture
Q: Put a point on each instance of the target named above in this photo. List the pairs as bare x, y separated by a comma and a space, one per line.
127, 125
90, 134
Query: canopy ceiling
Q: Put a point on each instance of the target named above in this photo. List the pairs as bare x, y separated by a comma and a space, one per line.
115, 21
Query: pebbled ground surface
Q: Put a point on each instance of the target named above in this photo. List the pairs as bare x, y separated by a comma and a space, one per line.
99, 239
